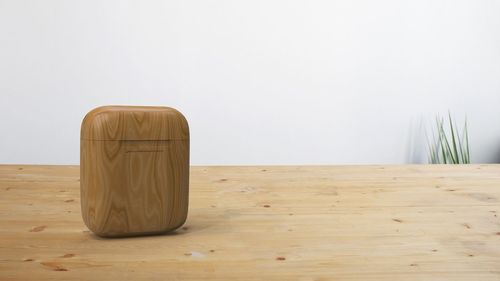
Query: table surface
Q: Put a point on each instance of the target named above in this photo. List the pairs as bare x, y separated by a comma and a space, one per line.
417, 222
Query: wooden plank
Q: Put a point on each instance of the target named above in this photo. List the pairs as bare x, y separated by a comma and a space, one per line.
267, 223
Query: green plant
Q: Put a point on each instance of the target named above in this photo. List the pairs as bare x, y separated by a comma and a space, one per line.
448, 145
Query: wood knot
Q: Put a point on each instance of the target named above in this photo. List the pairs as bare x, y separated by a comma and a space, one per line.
54, 266
38, 228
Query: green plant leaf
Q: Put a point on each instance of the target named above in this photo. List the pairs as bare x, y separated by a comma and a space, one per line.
454, 154
449, 145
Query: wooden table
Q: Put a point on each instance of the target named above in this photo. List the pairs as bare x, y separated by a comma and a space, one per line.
268, 223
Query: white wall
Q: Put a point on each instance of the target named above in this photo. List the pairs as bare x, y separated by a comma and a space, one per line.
261, 82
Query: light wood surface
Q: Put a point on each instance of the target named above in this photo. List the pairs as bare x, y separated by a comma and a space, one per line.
134, 170
267, 223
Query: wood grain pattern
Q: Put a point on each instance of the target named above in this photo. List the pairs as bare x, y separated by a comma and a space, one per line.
134, 123
267, 223
134, 170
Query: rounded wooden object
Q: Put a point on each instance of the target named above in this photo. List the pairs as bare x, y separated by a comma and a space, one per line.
134, 170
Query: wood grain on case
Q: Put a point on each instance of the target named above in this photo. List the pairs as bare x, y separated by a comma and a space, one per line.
134, 123
137, 184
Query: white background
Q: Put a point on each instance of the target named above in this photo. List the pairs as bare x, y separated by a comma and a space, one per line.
261, 82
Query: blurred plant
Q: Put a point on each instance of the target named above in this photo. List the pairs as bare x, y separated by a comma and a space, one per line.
448, 146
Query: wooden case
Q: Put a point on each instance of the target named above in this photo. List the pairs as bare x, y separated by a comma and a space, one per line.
134, 170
